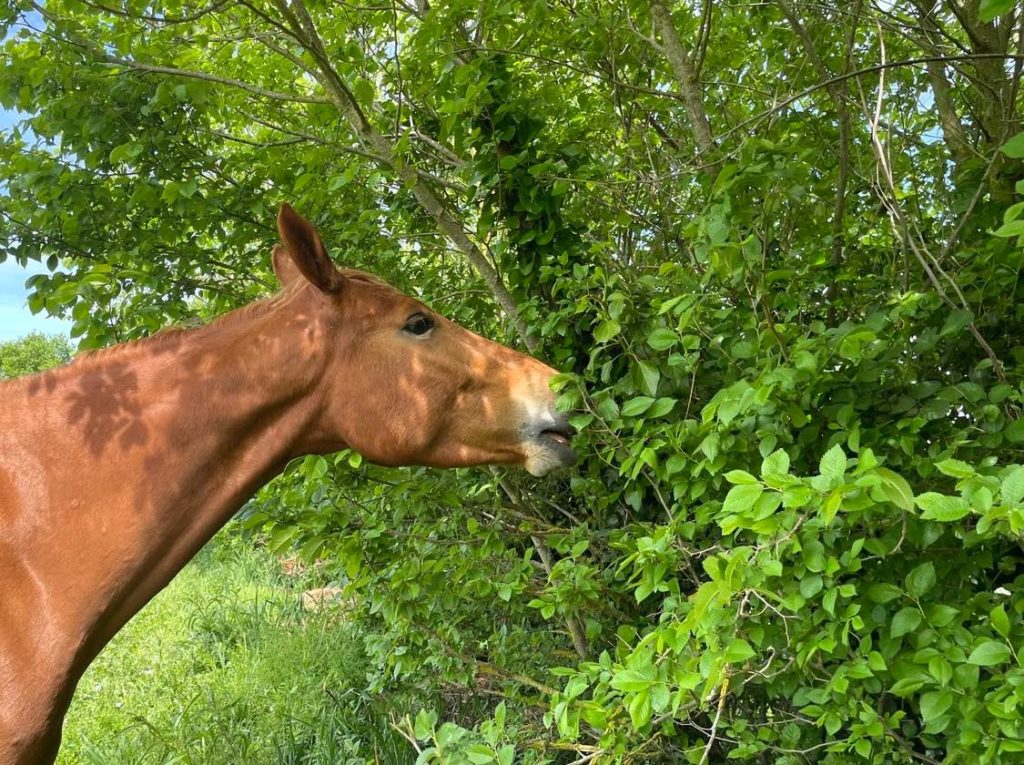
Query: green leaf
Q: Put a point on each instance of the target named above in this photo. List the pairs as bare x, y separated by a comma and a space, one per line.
364, 91
126, 152
776, 463
1013, 212
939, 507
1014, 148
636, 406
935, 703
956, 321
740, 476
660, 697
987, 11
896, 489
1013, 485
650, 375
989, 653
576, 685
883, 592
829, 601
966, 676
662, 339
811, 585
940, 615
661, 407
907, 686
814, 555
738, 650
876, 662
1015, 431
741, 498
634, 680
480, 754
640, 709
315, 467
424, 725
940, 669
1009, 230
833, 464
606, 330
906, 620
921, 579
955, 468
1000, 621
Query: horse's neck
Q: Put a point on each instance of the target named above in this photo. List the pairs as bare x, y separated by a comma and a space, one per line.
142, 454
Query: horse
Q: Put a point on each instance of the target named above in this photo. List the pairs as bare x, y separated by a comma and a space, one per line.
118, 467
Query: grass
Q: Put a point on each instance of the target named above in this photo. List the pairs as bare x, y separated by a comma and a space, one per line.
224, 666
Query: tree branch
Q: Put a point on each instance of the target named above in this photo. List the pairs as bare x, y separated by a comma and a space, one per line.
680, 61
884, 66
344, 100
107, 59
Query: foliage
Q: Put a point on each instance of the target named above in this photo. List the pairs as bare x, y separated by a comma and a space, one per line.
225, 667
792, 343
32, 353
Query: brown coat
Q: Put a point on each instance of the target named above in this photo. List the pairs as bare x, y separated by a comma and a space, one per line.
116, 469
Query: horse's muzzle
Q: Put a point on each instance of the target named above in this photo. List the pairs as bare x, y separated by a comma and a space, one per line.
548, 445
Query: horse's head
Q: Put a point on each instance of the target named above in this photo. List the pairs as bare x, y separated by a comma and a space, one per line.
403, 385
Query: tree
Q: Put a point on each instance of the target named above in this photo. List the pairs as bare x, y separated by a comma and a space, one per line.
32, 353
776, 249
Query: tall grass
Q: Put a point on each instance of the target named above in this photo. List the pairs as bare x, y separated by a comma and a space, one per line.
224, 666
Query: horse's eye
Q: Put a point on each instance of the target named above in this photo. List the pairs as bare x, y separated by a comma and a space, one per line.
418, 324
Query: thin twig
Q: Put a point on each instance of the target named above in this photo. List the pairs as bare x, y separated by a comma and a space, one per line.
722, 691
214, 6
884, 66
587, 758
914, 241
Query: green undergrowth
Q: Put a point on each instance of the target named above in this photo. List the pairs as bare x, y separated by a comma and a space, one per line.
224, 666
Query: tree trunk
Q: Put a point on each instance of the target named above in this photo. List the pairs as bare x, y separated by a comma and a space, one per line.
682, 66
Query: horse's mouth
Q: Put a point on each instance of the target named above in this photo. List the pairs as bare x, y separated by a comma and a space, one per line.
556, 439
560, 433
546, 445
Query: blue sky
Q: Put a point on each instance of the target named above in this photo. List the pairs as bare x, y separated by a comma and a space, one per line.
15, 318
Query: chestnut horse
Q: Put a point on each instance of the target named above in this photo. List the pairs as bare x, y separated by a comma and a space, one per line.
116, 469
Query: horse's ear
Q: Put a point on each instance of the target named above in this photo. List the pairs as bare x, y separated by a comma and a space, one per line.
303, 253
285, 270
